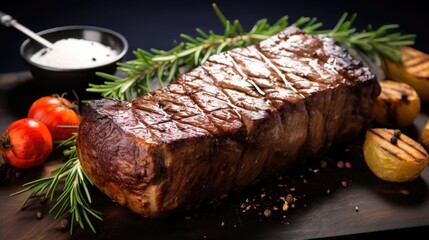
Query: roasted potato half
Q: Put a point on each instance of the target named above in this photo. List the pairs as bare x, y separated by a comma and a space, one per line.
425, 135
393, 156
397, 105
414, 71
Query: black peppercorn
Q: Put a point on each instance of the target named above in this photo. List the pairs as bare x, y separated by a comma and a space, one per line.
397, 133
404, 97
42, 200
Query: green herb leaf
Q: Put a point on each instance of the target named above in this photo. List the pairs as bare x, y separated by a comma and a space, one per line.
162, 65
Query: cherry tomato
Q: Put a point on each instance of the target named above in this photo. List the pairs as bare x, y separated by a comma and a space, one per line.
55, 112
26, 143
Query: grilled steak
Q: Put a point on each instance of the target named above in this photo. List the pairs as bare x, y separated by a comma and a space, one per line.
243, 115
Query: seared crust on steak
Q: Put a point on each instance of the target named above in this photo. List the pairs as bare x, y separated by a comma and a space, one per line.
242, 115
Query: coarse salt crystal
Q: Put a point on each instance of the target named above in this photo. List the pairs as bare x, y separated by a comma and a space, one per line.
74, 53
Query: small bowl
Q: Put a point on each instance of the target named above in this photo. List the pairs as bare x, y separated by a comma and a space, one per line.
64, 80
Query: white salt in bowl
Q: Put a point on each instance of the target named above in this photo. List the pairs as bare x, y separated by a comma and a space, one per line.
62, 76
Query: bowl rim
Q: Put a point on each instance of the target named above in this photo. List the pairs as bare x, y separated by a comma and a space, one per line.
75, 27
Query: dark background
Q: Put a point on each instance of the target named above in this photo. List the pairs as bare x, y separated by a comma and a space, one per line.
156, 24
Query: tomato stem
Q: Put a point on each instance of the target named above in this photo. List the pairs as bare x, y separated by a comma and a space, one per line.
5, 142
72, 106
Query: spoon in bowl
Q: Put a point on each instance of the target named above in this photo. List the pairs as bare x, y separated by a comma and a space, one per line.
9, 21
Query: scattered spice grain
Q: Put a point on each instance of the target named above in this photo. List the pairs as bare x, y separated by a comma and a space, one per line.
64, 223
323, 164
404, 192
267, 213
39, 215
42, 200
394, 140
397, 133
348, 165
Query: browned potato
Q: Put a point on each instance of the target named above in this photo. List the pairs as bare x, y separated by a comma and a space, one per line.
397, 105
393, 156
414, 71
425, 135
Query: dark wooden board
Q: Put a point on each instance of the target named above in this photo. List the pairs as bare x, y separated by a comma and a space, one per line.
324, 206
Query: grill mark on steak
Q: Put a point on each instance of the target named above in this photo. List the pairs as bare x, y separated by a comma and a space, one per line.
306, 85
299, 73
321, 48
277, 71
250, 117
277, 129
240, 165
192, 88
236, 87
253, 64
226, 112
236, 67
202, 141
262, 71
309, 84
158, 121
246, 110
212, 131
185, 113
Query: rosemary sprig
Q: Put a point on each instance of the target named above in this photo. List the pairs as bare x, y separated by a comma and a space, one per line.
165, 66
376, 44
75, 198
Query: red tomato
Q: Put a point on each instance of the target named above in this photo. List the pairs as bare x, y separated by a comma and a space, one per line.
54, 112
26, 143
